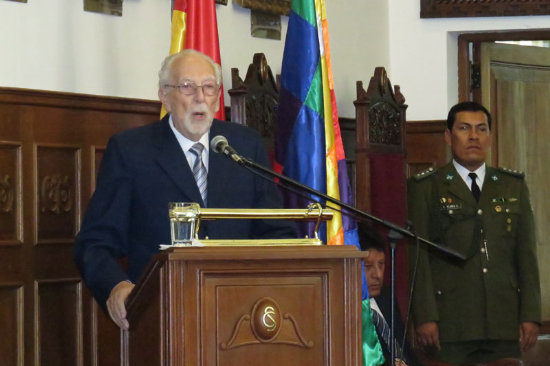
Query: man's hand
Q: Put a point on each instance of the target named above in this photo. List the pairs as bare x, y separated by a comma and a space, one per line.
400, 362
528, 334
427, 335
116, 303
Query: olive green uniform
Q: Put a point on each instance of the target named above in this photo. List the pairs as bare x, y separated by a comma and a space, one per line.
496, 288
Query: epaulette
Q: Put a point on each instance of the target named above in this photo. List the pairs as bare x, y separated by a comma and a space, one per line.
515, 173
424, 174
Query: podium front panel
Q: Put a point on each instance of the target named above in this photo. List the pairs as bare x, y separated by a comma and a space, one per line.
261, 306
285, 299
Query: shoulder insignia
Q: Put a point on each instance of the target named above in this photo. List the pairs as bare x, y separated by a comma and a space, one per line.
424, 174
515, 173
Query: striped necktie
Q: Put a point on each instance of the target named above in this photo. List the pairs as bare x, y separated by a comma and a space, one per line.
384, 330
199, 170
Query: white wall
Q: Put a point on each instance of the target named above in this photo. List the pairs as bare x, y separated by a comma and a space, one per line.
55, 45
359, 42
423, 54
237, 46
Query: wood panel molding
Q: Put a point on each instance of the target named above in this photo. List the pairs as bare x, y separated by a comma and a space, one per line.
10, 190
11, 323
58, 207
31, 97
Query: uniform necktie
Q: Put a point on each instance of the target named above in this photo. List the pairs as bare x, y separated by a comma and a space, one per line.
475, 188
199, 170
384, 330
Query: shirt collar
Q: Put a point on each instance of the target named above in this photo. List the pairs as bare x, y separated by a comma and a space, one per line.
374, 306
185, 143
463, 172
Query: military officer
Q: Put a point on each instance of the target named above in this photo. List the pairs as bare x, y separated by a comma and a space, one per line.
485, 309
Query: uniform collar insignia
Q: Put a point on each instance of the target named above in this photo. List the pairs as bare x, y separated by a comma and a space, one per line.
494, 177
449, 177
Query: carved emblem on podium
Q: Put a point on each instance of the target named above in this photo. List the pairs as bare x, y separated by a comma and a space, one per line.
266, 324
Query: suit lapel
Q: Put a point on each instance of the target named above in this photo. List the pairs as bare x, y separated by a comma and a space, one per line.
172, 160
219, 169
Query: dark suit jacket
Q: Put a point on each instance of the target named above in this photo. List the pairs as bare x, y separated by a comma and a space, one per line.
141, 171
497, 287
384, 303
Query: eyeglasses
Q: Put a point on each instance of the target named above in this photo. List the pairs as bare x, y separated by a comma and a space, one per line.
209, 88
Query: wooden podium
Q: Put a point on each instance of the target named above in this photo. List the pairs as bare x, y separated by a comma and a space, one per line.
229, 306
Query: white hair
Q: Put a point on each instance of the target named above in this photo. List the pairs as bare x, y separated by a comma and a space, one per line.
164, 73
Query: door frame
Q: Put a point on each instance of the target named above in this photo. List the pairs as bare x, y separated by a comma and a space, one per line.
469, 45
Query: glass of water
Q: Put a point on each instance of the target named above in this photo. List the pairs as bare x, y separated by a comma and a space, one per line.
183, 220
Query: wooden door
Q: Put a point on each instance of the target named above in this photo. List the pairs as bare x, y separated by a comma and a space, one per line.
516, 89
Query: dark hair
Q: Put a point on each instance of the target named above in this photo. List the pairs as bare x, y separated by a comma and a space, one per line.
466, 107
370, 238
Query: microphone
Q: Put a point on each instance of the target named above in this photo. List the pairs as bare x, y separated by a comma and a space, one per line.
220, 145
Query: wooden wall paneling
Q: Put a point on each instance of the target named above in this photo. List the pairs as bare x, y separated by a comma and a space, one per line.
11, 323
59, 327
95, 161
51, 146
10, 193
12, 283
58, 201
426, 146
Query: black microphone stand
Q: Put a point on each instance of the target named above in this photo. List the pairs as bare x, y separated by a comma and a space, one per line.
395, 232
357, 213
393, 237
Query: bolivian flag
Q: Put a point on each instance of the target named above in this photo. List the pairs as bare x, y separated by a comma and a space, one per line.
194, 25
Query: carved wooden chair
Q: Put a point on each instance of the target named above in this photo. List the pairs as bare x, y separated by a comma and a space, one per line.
254, 101
379, 139
380, 180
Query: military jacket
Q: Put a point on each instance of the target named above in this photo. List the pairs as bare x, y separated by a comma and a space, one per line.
497, 287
